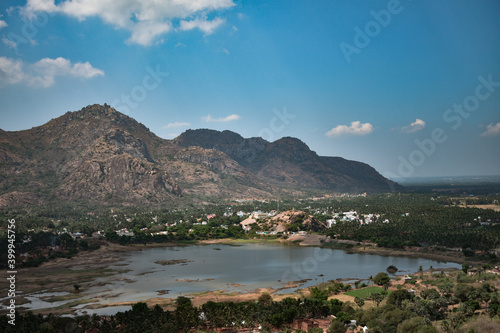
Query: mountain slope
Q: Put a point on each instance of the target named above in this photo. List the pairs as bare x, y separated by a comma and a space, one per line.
102, 156
289, 162
93, 154
99, 155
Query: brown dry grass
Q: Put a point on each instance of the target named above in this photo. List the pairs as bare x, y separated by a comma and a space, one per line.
496, 208
482, 324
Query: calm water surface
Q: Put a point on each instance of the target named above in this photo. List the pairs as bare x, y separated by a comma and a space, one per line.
239, 268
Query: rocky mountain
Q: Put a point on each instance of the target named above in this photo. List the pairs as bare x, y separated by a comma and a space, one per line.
102, 156
298, 219
289, 162
291, 220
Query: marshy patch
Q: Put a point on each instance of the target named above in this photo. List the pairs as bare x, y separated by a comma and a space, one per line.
173, 262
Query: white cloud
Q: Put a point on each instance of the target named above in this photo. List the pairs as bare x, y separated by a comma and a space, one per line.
231, 117
203, 24
9, 43
176, 124
492, 130
42, 73
13, 45
145, 19
356, 128
145, 32
417, 125
3, 24
11, 71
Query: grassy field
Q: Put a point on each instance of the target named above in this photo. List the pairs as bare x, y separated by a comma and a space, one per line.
364, 292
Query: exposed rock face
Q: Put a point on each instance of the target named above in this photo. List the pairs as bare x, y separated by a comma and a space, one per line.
121, 176
289, 162
307, 222
291, 220
101, 156
246, 223
244, 151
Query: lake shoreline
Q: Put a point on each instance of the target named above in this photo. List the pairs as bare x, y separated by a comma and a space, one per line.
86, 268
363, 248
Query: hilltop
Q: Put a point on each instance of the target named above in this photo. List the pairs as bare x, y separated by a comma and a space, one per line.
289, 161
101, 156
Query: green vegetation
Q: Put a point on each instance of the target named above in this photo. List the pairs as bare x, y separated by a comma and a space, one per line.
449, 302
364, 292
452, 306
209, 316
44, 246
425, 222
392, 269
421, 220
381, 279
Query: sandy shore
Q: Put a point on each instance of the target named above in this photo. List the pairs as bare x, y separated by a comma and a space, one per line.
367, 248
60, 276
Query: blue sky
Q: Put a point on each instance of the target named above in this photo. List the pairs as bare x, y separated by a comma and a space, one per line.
409, 87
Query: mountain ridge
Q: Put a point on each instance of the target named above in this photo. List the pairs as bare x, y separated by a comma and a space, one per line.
100, 155
266, 159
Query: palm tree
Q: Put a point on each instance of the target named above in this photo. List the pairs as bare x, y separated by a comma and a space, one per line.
465, 267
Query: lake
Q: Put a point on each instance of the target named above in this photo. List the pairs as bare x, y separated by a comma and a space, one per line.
174, 271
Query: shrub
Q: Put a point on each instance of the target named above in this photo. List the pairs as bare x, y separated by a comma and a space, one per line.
381, 278
392, 269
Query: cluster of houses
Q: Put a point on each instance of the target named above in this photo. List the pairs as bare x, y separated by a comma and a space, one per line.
350, 216
245, 200
124, 232
342, 195
353, 216
487, 222
253, 215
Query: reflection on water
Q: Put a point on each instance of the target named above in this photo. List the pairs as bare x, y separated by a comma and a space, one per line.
235, 269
